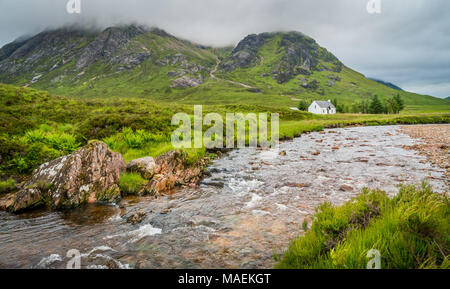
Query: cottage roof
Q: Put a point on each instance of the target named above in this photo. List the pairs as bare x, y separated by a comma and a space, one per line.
324, 104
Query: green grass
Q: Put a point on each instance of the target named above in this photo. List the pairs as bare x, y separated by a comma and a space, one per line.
410, 230
135, 144
7, 186
131, 183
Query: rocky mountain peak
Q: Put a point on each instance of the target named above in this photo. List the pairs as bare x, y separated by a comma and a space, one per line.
299, 53
250, 43
107, 43
74, 56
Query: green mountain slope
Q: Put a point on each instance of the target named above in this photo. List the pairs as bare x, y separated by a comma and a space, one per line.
294, 65
128, 60
133, 61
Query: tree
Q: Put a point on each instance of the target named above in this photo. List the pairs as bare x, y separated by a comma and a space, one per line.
386, 107
303, 105
335, 102
339, 107
395, 104
364, 106
400, 104
376, 107
390, 105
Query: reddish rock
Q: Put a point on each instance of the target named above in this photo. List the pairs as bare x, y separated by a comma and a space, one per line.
305, 185
172, 169
346, 188
136, 218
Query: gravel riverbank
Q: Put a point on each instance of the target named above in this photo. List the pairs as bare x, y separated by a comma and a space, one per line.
434, 143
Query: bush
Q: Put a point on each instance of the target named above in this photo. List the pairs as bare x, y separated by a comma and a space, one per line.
9, 149
131, 183
303, 105
128, 139
7, 186
376, 107
35, 155
60, 141
410, 231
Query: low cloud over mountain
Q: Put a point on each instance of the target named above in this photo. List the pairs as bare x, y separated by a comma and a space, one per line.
407, 44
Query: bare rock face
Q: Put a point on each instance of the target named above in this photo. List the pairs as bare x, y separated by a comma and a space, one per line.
186, 81
172, 169
89, 175
301, 55
170, 163
106, 45
144, 166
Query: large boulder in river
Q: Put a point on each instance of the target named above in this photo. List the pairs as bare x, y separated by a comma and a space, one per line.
174, 169
89, 175
144, 166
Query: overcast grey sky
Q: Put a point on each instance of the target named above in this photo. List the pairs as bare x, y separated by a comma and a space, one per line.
407, 44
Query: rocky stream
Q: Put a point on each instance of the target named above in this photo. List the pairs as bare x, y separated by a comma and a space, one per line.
249, 207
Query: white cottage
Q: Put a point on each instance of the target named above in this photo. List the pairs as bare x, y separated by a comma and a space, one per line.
322, 107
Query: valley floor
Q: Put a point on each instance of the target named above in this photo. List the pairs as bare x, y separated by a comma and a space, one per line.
249, 208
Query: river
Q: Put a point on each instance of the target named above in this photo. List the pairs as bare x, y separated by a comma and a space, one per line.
247, 210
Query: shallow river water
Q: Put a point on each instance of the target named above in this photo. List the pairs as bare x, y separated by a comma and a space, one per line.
251, 206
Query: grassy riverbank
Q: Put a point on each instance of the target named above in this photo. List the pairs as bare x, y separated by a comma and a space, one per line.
410, 231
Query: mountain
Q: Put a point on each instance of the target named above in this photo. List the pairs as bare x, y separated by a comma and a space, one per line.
295, 66
292, 54
276, 68
448, 98
92, 63
388, 84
